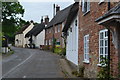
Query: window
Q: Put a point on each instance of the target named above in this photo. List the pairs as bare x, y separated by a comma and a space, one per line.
46, 42
86, 48
55, 29
50, 42
85, 6
103, 45
101, 1
75, 22
59, 28
58, 42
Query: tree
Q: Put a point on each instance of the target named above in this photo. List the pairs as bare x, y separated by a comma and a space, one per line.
11, 17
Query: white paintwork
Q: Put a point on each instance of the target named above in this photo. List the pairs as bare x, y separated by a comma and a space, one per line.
21, 37
39, 39
72, 43
5, 49
19, 43
26, 40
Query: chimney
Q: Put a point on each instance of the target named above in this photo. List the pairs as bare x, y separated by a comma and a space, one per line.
42, 19
57, 8
53, 10
31, 22
46, 19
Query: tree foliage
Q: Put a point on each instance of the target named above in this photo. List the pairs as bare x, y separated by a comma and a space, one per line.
11, 17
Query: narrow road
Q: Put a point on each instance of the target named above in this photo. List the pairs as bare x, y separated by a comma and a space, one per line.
31, 63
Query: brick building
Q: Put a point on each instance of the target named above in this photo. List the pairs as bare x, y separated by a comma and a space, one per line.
93, 39
55, 26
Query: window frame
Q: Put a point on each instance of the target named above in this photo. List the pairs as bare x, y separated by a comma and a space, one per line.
86, 48
55, 29
58, 29
103, 47
87, 6
101, 1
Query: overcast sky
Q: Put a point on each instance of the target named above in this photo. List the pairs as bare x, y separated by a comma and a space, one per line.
34, 10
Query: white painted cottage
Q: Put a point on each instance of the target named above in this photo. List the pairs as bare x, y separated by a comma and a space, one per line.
20, 40
71, 32
37, 35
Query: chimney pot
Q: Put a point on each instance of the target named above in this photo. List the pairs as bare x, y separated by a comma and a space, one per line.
57, 8
31, 21
46, 19
42, 19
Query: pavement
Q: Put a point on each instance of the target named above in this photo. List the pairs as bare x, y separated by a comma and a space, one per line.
31, 63
67, 68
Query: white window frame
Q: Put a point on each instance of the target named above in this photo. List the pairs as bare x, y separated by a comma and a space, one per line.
101, 1
49, 41
58, 28
86, 48
83, 6
55, 29
103, 44
46, 42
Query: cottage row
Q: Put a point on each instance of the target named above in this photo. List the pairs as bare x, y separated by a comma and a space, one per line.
90, 31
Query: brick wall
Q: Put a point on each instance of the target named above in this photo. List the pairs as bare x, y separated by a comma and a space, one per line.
87, 25
57, 35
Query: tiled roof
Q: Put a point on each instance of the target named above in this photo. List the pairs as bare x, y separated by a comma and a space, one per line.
36, 30
59, 17
114, 10
22, 29
71, 16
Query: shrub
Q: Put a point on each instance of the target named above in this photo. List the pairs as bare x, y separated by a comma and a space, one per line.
58, 50
64, 51
103, 73
80, 73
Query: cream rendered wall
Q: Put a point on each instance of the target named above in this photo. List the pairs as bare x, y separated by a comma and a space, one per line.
26, 40
20, 40
39, 40
16, 43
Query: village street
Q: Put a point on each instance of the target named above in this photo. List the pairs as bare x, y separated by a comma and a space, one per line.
31, 63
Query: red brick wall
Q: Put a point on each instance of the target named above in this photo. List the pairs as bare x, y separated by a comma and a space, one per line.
87, 25
56, 35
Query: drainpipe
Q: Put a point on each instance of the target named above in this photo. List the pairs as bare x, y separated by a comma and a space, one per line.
108, 45
53, 45
118, 45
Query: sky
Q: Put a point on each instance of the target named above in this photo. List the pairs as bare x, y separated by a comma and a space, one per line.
35, 10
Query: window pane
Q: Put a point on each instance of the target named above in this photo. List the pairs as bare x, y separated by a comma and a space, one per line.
101, 35
106, 50
85, 6
106, 33
101, 42
87, 56
87, 50
101, 50
106, 42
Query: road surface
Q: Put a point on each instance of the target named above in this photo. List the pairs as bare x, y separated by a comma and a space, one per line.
31, 63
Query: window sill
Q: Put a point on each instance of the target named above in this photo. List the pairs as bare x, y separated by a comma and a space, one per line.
86, 13
101, 2
100, 65
87, 62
